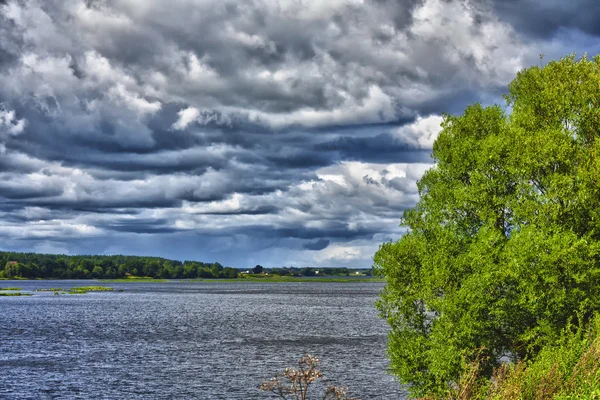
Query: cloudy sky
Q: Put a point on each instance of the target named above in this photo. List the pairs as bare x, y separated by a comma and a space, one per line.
279, 132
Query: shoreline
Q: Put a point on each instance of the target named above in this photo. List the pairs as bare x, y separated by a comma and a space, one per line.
277, 279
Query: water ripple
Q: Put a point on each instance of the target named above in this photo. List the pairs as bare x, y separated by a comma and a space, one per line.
184, 340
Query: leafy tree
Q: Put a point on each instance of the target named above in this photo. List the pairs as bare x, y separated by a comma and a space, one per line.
97, 272
258, 269
503, 248
229, 272
190, 270
11, 269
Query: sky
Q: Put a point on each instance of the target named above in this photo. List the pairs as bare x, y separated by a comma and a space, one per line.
272, 132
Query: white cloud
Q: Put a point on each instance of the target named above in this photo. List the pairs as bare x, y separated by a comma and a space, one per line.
337, 253
133, 101
421, 133
377, 107
186, 117
457, 29
9, 123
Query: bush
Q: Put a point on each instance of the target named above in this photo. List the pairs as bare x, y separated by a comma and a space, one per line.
568, 368
297, 383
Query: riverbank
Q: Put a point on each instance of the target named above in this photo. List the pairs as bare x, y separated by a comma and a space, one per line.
296, 279
567, 369
242, 278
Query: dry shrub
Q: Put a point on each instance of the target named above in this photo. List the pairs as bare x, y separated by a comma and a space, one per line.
587, 369
295, 384
567, 369
506, 382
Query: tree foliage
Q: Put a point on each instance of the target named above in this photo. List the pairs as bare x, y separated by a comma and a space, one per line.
257, 269
58, 266
502, 249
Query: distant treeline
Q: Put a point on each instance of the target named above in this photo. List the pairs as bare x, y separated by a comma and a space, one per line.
293, 271
58, 266
32, 265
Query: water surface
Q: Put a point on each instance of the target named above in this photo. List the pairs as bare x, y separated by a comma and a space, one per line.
188, 340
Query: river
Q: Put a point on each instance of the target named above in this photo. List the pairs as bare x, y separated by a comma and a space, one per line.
188, 340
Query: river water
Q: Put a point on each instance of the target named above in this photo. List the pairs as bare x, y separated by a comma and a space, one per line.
188, 340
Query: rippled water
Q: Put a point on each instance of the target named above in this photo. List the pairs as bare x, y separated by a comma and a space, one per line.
188, 340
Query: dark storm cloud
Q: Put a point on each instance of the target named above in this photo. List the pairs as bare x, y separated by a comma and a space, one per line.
140, 225
333, 230
299, 158
381, 148
257, 210
21, 193
545, 19
316, 245
262, 127
10, 41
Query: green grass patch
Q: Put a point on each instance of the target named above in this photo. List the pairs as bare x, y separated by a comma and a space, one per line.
134, 279
11, 288
277, 278
86, 289
50, 290
7, 294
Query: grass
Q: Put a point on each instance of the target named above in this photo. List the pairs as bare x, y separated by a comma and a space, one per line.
134, 279
241, 278
86, 289
11, 288
7, 294
566, 370
277, 278
50, 290
253, 278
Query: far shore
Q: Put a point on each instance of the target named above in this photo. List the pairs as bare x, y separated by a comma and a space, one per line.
244, 278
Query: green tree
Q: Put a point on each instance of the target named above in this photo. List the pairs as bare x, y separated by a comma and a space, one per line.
216, 269
190, 270
503, 248
97, 272
151, 268
229, 272
257, 269
11, 269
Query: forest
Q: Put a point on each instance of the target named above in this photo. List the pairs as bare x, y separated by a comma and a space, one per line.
59, 266
53, 266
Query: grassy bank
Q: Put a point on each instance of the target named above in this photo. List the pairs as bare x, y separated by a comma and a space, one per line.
277, 278
10, 294
566, 370
133, 279
86, 289
241, 278
253, 278
77, 290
